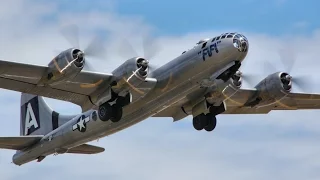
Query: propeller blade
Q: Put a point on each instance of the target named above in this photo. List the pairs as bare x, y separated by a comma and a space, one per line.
152, 67
150, 47
250, 79
303, 83
288, 58
126, 50
269, 68
96, 48
71, 34
88, 66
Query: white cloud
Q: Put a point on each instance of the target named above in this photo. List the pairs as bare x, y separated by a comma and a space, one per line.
278, 145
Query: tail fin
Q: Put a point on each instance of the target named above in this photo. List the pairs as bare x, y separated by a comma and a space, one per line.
36, 117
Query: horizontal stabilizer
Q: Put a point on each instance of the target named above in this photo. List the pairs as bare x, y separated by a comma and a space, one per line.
19, 142
86, 149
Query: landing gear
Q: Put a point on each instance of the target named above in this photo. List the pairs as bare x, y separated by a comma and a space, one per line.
116, 113
106, 112
199, 121
207, 122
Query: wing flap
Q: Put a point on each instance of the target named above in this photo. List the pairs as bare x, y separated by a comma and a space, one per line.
19, 142
86, 149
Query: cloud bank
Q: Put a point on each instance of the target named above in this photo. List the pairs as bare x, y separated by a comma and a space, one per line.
278, 145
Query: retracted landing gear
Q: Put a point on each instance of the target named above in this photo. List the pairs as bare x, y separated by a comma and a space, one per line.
207, 122
106, 112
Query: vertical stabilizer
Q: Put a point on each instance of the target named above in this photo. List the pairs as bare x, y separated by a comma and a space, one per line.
36, 117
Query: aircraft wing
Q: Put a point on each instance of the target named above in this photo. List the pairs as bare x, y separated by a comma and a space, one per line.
19, 142
235, 104
293, 101
86, 149
24, 78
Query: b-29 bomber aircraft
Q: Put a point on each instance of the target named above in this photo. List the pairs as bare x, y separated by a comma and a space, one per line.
204, 82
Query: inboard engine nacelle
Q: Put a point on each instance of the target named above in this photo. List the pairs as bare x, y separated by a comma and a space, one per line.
63, 67
272, 88
130, 75
222, 91
214, 97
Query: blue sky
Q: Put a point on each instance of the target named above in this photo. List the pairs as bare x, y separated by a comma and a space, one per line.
280, 145
275, 17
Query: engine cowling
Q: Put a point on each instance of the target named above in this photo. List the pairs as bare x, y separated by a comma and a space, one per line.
236, 79
272, 88
214, 97
222, 91
130, 75
64, 67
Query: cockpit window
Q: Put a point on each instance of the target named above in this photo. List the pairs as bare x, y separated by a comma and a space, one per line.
223, 36
230, 36
244, 37
204, 45
213, 39
218, 38
238, 36
202, 41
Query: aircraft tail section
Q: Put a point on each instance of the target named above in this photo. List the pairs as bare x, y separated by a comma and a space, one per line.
36, 117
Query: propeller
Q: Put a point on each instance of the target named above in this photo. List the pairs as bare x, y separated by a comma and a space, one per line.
150, 50
250, 79
95, 48
288, 60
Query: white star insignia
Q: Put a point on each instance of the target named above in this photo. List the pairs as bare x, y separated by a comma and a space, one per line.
81, 124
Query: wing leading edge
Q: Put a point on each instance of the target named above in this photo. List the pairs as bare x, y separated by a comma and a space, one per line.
292, 101
236, 104
25, 78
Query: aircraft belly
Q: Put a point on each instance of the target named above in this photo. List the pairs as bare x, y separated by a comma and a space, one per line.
172, 87
157, 100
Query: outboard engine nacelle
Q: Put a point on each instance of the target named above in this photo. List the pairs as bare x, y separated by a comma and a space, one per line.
64, 67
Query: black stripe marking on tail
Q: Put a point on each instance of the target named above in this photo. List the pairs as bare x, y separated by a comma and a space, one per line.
55, 120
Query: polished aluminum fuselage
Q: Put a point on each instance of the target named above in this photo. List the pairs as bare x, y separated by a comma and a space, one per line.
175, 80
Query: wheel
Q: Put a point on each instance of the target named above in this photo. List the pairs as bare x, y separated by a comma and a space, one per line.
123, 101
211, 122
105, 111
199, 122
116, 113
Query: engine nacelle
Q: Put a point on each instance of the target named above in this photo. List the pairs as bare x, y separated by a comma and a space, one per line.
214, 97
130, 75
199, 108
64, 67
272, 88
221, 91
